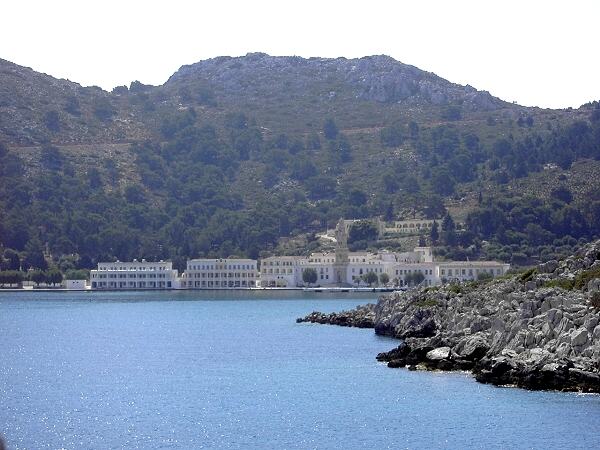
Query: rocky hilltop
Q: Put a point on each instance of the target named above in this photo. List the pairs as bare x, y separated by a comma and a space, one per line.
537, 330
378, 78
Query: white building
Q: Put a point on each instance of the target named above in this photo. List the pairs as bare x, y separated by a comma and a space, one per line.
134, 275
469, 270
76, 285
411, 226
220, 274
344, 268
281, 271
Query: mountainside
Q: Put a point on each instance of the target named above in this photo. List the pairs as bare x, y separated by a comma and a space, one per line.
232, 154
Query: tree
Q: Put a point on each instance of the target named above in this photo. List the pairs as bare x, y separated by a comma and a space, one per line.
103, 109
76, 274
11, 260
562, 193
11, 277
72, 106
448, 230
302, 168
370, 278
452, 112
313, 142
384, 278
94, 178
434, 234
414, 278
389, 212
54, 276
52, 121
418, 278
484, 276
363, 230
340, 150
52, 158
34, 255
442, 181
309, 275
321, 186
392, 136
330, 129
37, 276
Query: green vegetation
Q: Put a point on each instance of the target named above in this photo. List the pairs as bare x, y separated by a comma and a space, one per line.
309, 275
215, 172
527, 275
455, 288
561, 283
362, 232
583, 278
414, 278
426, 303
384, 278
370, 278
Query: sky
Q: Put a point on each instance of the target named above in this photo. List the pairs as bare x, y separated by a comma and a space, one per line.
537, 53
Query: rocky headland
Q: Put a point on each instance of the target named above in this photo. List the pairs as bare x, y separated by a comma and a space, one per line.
536, 330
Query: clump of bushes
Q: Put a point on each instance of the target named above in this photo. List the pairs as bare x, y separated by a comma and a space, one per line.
455, 288
426, 303
527, 275
562, 283
582, 279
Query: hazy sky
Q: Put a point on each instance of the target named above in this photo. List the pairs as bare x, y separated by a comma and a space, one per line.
538, 53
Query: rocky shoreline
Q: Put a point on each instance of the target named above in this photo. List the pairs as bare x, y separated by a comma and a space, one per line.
537, 330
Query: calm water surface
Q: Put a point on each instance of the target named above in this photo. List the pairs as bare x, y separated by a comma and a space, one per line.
233, 370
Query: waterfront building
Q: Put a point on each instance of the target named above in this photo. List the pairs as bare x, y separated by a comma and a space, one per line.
134, 275
449, 271
220, 274
345, 268
281, 271
76, 285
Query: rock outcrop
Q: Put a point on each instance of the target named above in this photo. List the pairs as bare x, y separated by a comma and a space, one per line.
361, 317
536, 330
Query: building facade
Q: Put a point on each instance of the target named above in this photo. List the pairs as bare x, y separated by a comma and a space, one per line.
344, 268
411, 226
134, 275
220, 274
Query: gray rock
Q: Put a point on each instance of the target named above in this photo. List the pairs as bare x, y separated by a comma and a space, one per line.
594, 285
579, 337
438, 354
548, 267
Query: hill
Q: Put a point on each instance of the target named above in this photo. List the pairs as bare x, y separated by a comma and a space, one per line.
232, 154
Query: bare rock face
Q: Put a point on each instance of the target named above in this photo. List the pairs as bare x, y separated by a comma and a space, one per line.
521, 331
377, 78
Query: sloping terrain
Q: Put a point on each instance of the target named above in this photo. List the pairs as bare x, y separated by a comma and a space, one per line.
231, 154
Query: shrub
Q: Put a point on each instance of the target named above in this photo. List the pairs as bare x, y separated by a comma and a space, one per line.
582, 279
562, 283
426, 303
456, 288
527, 275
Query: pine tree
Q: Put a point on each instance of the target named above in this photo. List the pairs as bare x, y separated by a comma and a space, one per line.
435, 234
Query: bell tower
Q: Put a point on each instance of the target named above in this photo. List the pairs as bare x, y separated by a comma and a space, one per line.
341, 252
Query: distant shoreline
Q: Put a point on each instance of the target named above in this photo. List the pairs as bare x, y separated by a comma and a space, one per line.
300, 289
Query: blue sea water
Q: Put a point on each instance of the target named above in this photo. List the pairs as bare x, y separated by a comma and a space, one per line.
233, 370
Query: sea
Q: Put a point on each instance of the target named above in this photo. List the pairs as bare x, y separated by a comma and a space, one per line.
233, 370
